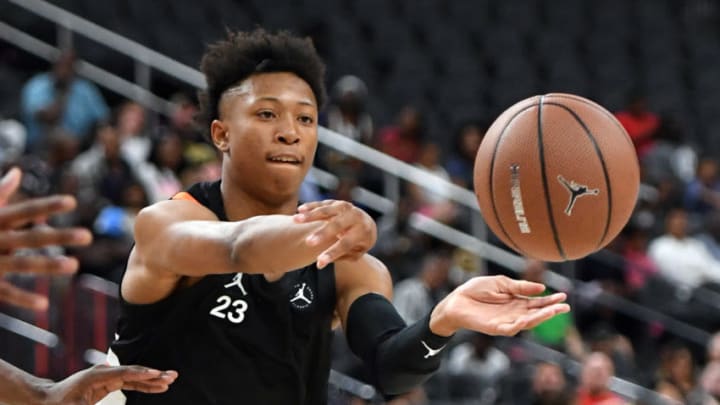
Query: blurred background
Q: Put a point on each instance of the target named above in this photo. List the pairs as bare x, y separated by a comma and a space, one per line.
97, 99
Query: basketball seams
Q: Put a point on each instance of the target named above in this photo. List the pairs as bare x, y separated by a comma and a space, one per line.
600, 156
599, 109
492, 177
546, 188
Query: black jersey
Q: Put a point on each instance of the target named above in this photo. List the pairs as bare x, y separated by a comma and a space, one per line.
235, 338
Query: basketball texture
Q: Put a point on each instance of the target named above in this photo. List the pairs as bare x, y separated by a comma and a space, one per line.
556, 177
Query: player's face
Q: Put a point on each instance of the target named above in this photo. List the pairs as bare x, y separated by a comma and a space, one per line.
270, 121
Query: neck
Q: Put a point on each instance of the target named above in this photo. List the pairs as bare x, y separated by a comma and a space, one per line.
240, 204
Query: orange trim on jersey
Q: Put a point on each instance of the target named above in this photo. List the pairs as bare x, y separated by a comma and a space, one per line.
184, 195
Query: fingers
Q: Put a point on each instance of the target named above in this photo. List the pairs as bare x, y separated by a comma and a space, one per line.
15, 296
38, 264
9, 184
321, 210
17, 215
344, 248
532, 319
519, 287
160, 382
44, 236
539, 302
103, 374
105, 379
314, 204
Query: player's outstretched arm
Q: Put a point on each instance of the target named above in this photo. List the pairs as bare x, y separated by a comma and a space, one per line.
14, 235
179, 238
402, 357
82, 388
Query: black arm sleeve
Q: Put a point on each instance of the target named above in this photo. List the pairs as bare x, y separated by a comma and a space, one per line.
400, 357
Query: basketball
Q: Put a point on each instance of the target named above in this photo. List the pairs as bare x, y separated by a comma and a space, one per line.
556, 177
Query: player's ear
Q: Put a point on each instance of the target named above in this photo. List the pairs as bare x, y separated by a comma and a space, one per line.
219, 135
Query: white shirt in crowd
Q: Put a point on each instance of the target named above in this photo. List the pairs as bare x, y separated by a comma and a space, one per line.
686, 262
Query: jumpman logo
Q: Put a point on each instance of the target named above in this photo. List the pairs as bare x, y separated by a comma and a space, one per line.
237, 281
300, 295
576, 191
431, 352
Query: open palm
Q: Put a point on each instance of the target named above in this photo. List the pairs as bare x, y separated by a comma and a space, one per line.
495, 306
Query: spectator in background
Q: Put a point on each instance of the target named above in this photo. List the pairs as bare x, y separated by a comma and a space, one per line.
671, 157
113, 234
597, 369
711, 234
603, 338
135, 144
713, 348
638, 264
549, 385
416, 296
347, 115
60, 99
682, 259
677, 369
161, 174
477, 363
399, 245
182, 119
461, 165
702, 195
640, 123
404, 139
708, 391
426, 199
13, 137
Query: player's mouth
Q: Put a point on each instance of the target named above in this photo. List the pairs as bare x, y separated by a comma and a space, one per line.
285, 158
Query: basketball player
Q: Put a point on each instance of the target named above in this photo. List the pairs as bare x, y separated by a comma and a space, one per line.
83, 388
236, 287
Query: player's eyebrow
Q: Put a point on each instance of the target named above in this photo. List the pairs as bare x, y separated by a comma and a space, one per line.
277, 100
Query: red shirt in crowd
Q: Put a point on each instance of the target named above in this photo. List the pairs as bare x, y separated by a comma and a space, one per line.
640, 128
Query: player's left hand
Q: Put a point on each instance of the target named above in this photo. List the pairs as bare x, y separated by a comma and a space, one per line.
495, 305
352, 228
89, 386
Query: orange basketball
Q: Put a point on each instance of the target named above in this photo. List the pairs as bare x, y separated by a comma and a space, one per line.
556, 177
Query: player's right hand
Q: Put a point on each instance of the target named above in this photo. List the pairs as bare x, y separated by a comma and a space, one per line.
353, 229
15, 216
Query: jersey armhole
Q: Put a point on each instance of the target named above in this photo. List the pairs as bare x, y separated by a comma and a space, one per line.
184, 195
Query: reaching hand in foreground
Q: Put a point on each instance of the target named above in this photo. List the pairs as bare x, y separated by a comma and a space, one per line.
13, 218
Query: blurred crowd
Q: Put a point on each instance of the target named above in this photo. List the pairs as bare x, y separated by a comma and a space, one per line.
116, 159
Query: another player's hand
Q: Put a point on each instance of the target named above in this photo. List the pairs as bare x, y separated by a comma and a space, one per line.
495, 305
89, 386
352, 228
13, 217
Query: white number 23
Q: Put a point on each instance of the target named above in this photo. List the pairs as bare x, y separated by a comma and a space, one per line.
236, 314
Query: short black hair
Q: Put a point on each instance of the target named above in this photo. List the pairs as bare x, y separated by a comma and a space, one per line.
242, 54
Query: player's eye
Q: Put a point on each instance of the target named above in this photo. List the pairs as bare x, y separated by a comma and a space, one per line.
306, 119
266, 114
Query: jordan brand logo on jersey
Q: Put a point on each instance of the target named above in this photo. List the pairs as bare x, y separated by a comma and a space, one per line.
237, 281
576, 191
431, 352
303, 296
